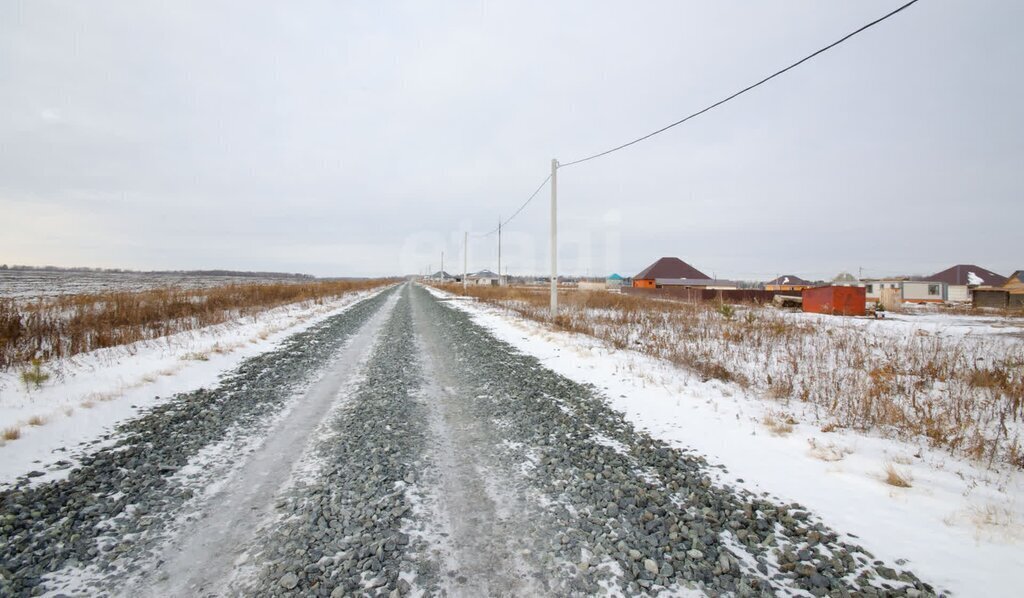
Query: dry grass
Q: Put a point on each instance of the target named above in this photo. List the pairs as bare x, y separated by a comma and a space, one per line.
779, 424
68, 325
961, 393
36, 420
12, 433
895, 477
991, 522
829, 452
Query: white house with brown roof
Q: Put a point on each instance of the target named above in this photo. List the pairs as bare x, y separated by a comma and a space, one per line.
962, 279
667, 268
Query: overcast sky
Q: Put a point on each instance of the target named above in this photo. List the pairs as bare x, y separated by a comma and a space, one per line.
362, 138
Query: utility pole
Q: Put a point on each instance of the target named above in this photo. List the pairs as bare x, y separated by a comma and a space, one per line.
442, 266
499, 251
465, 260
554, 238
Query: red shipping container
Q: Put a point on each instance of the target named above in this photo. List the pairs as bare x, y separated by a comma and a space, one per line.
840, 301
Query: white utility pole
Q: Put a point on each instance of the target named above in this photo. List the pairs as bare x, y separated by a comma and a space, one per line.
554, 238
499, 251
465, 260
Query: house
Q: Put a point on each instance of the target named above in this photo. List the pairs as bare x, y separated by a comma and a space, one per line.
697, 283
614, 281
484, 278
835, 300
788, 282
442, 276
875, 289
1015, 283
962, 279
890, 292
845, 279
924, 291
668, 268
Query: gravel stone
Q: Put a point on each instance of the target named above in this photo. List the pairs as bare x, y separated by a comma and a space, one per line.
289, 581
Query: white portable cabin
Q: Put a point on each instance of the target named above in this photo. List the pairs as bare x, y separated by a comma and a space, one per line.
908, 291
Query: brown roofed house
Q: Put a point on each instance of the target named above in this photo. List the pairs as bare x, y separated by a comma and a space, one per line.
969, 275
962, 279
667, 267
787, 282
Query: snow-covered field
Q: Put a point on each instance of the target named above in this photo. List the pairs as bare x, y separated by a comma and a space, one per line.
953, 379
31, 284
960, 524
90, 393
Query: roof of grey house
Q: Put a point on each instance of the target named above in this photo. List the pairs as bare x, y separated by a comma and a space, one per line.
968, 274
788, 279
484, 274
671, 267
845, 278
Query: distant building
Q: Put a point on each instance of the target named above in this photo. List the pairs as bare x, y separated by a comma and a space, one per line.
891, 292
697, 283
442, 276
614, 281
787, 282
1015, 283
962, 279
484, 277
845, 279
667, 268
997, 298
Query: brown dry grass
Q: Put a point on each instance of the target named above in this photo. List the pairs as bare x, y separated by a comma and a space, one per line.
36, 420
779, 424
961, 393
12, 433
895, 477
68, 325
829, 452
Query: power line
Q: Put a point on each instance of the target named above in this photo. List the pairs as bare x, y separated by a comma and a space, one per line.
742, 91
525, 203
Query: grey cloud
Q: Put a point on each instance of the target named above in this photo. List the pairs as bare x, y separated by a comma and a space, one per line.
361, 138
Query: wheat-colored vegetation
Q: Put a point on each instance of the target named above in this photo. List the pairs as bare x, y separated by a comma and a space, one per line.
827, 451
12, 433
36, 331
779, 424
896, 477
963, 393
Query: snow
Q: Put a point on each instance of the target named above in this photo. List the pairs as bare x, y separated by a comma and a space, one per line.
960, 526
89, 394
974, 279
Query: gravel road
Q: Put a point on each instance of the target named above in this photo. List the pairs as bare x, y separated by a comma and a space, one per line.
400, 449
